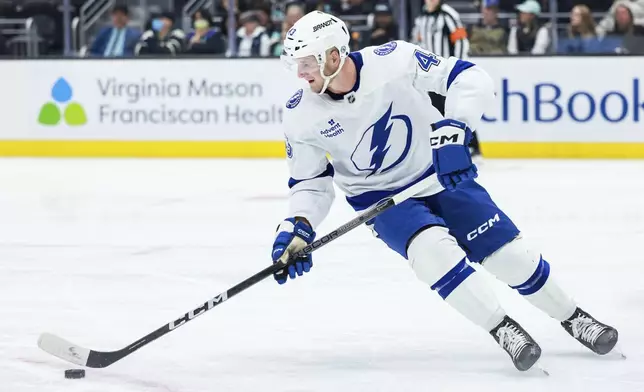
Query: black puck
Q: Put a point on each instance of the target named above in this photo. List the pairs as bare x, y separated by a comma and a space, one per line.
75, 373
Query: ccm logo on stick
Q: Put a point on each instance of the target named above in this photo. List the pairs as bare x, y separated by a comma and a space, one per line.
483, 228
197, 312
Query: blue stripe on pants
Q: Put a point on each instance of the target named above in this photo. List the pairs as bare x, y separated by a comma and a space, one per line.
452, 279
537, 280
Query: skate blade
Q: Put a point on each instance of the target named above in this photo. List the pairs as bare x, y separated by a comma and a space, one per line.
617, 351
538, 369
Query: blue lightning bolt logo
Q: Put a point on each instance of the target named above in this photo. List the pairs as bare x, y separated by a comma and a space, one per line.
381, 140
381, 132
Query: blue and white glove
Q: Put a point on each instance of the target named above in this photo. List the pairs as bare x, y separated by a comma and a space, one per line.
292, 236
450, 140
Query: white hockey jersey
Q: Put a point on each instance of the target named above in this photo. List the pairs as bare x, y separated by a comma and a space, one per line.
377, 135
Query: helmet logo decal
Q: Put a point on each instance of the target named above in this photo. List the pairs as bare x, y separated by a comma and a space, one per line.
291, 32
324, 24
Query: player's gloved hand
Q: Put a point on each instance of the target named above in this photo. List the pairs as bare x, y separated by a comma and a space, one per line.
292, 236
450, 141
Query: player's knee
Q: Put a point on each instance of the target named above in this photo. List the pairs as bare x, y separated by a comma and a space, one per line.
518, 266
438, 260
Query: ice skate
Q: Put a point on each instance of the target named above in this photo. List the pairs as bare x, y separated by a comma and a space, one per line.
523, 350
598, 337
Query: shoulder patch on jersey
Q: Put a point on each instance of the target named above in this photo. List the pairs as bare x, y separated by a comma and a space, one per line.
289, 148
426, 60
295, 99
385, 49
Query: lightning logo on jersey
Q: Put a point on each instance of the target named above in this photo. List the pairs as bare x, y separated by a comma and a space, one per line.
384, 145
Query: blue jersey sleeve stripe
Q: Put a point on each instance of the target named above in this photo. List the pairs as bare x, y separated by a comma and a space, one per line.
460, 66
329, 172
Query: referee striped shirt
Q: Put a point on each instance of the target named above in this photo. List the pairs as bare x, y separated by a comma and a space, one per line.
441, 32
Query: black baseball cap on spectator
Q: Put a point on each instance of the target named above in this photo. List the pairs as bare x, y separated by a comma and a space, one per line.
121, 8
382, 8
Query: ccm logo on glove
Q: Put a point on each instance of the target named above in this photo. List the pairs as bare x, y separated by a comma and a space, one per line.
449, 141
447, 132
443, 140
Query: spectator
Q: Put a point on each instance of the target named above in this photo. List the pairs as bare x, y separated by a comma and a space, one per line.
624, 21
117, 40
264, 15
489, 36
630, 35
581, 24
529, 36
384, 28
252, 39
439, 30
274, 34
205, 39
581, 35
162, 38
607, 24
293, 13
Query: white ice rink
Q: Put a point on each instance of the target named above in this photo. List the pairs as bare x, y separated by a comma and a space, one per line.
104, 251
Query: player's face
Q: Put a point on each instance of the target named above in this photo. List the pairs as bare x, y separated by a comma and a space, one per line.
307, 68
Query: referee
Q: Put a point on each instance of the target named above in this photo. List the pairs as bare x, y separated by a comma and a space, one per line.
439, 30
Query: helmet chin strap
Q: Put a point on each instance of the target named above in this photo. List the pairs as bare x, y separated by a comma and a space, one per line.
327, 79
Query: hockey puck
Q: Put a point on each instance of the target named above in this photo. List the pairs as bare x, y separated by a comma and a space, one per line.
75, 373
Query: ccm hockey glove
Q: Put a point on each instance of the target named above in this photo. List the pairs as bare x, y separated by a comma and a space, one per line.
450, 141
292, 236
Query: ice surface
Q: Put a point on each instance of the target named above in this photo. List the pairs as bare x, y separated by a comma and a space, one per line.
101, 252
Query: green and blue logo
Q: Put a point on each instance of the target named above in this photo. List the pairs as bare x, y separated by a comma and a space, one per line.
72, 114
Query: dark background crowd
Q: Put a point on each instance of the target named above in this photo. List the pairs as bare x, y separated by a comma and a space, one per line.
109, 28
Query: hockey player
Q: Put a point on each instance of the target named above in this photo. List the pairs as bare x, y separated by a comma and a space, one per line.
370, 111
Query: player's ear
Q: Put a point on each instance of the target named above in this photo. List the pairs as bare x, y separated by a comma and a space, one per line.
332, 57
336, 57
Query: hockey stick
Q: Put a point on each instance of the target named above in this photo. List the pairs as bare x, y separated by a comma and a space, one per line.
76, 354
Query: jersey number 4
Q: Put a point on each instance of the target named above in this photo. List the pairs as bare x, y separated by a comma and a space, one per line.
426, 60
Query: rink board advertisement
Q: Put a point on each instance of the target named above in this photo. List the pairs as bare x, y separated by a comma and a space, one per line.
545, 107
565, 107
144, 107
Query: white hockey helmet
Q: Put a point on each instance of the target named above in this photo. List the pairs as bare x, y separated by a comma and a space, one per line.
311, 37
